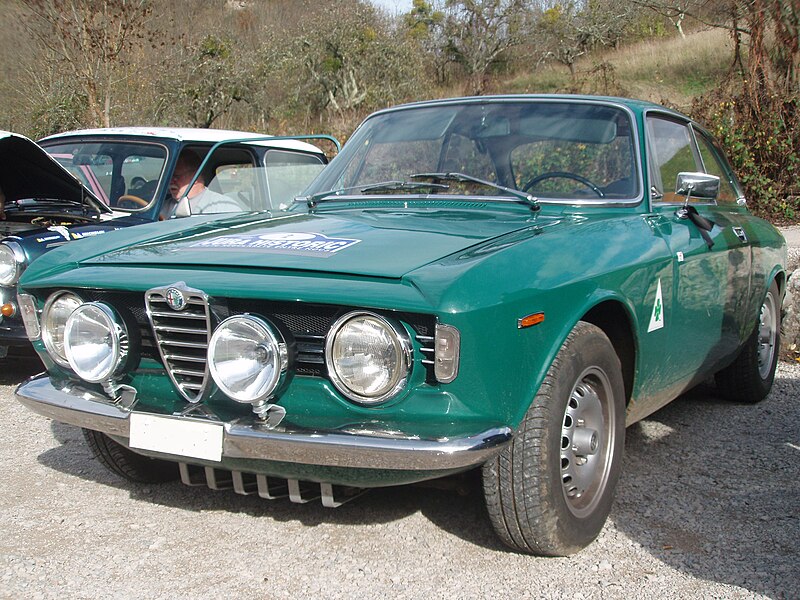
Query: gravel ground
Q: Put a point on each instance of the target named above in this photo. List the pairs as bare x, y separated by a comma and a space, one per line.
707, 507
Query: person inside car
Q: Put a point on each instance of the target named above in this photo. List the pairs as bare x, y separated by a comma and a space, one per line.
197, 200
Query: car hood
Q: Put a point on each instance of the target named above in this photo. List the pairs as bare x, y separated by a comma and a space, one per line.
377, 243
28, 172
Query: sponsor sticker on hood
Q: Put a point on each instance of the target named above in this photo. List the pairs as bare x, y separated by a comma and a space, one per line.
307, 244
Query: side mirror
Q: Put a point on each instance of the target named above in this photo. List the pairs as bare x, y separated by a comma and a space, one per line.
700, 186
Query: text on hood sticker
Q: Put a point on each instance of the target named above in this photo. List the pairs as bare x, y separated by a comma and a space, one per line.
308, 244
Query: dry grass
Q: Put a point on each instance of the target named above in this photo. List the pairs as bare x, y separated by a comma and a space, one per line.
670, 70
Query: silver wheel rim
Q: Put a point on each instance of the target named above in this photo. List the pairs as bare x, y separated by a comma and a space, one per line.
767, 335
587, 441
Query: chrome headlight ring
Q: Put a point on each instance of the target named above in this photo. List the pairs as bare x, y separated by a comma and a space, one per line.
57, 309
249, 360
12, 262
368, 357
96, 342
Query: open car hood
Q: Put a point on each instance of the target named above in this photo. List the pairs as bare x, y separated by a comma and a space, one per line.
28, 172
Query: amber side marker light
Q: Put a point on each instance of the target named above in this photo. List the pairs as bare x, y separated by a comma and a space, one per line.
530, 320
8, 309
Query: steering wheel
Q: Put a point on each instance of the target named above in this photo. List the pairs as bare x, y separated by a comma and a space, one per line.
563, 175
135, 200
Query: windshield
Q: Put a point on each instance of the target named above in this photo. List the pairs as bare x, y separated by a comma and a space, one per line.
553, 150
124, 175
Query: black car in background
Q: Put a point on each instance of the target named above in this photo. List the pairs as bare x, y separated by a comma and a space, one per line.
84, 183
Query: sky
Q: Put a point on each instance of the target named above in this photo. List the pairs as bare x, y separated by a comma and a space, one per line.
394, 6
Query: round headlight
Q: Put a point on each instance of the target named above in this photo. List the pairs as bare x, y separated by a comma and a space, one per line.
57, 309
95, 342
12, 263
247, 358
368, 357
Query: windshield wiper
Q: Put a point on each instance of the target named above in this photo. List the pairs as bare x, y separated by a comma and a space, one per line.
23, 203
383, 186
392, 186
519, 196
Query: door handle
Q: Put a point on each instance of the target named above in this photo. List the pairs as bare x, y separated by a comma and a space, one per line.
740, 234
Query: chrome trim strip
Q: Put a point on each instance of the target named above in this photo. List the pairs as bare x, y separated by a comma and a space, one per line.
198, 345
190, 331
176, 315
306, 350
188, 372
185, 358
366, 449
73, 405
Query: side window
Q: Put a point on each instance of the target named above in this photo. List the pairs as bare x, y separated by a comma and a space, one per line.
713, 165
670, 153
288, 174
233, 180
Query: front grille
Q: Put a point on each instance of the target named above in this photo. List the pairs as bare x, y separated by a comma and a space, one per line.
182, 337
427, 349
307, 324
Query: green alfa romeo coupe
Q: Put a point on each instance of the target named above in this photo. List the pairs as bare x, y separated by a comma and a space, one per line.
496, 283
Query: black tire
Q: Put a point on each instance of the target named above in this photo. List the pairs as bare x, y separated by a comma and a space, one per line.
749, 378
126, 463
531, 503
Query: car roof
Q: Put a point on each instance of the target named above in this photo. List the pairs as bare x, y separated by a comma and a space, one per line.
183, 134
631, 103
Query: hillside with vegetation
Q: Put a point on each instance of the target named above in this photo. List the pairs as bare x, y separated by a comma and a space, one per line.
297, 66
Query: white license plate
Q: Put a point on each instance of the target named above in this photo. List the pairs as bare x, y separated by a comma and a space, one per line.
181, 437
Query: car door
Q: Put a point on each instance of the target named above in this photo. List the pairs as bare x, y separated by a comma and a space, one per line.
710, 251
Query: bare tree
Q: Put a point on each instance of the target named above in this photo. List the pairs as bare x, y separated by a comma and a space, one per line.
564, 40
727, 14
350, 60
674, 10
770, 29
480, 32
207, 79
424, 25
89, 39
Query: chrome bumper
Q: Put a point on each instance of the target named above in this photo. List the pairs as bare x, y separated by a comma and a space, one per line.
362, 449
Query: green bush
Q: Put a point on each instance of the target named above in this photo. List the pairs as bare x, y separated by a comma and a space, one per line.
762, 141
